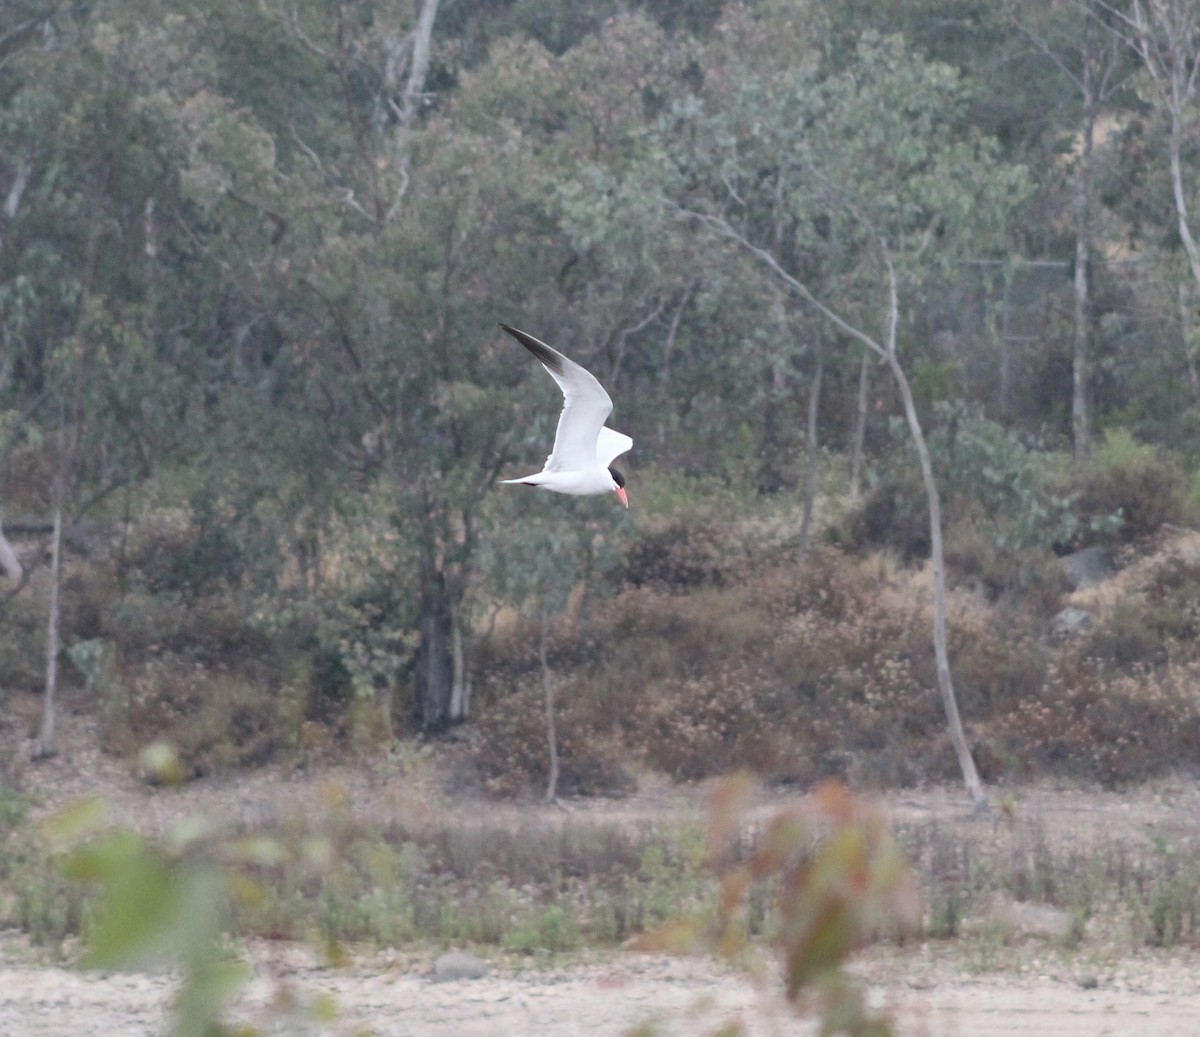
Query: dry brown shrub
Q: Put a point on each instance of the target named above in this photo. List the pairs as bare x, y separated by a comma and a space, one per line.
214, 717
507, 741
510, 749
1151, 614
1092, 722
803, 669
823, 667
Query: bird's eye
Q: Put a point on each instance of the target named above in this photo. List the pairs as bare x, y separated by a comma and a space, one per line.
618, 478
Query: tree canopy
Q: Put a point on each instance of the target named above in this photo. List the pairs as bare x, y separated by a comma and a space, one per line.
253, 257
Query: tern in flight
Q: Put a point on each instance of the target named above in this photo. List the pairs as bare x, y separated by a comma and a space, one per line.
584, 448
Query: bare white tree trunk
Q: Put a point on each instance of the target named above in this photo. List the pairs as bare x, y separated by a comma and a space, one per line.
410, 99
548, 692
1097, 62
1181, 209
664, 378
958, 737
1185, 325
45, 745
9, 561
1080, 417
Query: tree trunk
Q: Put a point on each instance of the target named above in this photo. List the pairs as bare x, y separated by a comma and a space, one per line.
45, 746
958, 737
1174, 72
860, 426
433, 710
548, 692
9, 561
664, 376
460, 688
771, 447
941, 655
1005, 401
410, 100
1185, 324
1080, 415
810, 477
887, 352
1181, 211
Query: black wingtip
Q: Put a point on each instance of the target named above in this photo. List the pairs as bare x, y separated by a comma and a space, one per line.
552, 359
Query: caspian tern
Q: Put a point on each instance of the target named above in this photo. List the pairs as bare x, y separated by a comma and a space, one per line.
584, 448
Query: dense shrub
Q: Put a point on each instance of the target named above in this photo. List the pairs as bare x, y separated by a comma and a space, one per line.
819, 668
1000, 501
22, 637
509, 747
215, 718
1129, 489
684, 554
1090, 722
893, 514
213, 630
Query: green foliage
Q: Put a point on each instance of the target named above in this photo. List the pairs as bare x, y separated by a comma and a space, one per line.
157, 907
1013, 482
424, 879
1137, 482
536, 551
986, 474
253, 317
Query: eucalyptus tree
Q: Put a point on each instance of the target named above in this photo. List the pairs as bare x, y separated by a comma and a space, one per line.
378, 248
850, 189
89, 310
1163, 37
332, 361
1081, 41
618, 287
1166, 37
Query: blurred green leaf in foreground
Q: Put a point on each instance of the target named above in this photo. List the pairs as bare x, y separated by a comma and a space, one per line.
837, 878
161, 906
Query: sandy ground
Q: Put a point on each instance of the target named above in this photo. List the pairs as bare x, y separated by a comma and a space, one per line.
1151, 999
932, 990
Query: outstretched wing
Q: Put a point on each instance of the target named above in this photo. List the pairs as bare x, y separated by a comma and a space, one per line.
611, 445
586, 405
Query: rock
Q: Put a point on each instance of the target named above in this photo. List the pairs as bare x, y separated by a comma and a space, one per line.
1072, 621
1089, 567
457, 965
1024, 919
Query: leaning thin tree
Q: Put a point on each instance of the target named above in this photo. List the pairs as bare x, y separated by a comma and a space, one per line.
886, 351
850, 187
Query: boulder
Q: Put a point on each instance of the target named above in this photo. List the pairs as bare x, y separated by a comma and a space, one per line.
458, 965
1088, 567
1071, 622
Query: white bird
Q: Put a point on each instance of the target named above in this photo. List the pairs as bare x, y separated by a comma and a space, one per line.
584, 448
